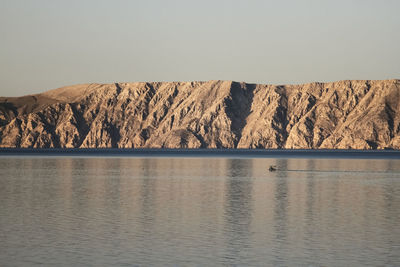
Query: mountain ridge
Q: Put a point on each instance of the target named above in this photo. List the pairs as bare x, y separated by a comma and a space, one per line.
348, 114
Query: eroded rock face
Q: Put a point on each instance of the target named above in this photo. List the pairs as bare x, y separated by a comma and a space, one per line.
213, 114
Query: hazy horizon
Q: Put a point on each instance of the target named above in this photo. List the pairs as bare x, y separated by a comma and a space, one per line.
49, 44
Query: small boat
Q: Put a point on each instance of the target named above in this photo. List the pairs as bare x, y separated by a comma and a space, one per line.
272, 168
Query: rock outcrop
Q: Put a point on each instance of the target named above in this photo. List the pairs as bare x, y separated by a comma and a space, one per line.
213, 114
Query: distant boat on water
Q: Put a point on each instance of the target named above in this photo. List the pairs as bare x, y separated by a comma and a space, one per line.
272, 168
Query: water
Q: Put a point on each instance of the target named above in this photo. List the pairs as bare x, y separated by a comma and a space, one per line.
121, 211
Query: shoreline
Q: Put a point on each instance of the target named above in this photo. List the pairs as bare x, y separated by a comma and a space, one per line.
205, 152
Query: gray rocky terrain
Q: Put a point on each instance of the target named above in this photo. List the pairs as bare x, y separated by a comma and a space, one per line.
213, 114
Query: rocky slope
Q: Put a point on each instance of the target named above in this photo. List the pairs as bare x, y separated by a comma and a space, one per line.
213, 114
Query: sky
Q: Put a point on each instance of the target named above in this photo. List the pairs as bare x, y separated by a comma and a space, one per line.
46, 44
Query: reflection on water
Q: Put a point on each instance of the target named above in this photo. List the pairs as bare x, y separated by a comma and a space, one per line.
199, 211
237, 210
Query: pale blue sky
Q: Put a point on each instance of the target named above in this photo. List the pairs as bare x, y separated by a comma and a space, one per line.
47, 44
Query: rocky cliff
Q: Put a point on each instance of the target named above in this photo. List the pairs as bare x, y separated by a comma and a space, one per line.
213, 114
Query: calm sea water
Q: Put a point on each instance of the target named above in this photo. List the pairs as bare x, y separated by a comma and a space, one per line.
121, 211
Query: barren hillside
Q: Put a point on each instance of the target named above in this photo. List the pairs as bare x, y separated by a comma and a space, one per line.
213, 114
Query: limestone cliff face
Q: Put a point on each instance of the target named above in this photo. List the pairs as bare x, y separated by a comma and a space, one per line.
213, 114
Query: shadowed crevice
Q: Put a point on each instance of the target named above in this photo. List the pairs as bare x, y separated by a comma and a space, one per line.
238, 107
118, 87
200, 138
82, 126
147, 99
280, 119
